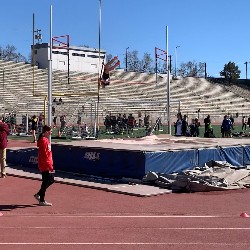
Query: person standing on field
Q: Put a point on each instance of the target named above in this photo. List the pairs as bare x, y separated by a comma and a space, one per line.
4, 132
45, 164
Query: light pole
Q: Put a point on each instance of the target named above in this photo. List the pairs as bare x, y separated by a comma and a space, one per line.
205, 66
246, 68
176, 59
96, 126
126, 58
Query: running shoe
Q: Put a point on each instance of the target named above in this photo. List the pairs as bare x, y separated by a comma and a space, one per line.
45, 203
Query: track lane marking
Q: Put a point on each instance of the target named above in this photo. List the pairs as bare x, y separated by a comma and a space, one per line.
125, 243
145, 228
117, 216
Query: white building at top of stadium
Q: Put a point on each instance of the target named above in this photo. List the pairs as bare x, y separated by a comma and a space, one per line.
79, 59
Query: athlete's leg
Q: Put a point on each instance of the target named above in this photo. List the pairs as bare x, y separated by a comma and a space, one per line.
114, 66
108, 64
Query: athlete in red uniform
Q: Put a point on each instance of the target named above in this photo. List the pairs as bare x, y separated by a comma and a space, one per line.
45, 164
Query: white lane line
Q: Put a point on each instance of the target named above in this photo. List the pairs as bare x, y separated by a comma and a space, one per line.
116, 216
135, 228
125, 243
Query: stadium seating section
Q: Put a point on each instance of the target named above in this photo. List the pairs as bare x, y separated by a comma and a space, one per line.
24, 89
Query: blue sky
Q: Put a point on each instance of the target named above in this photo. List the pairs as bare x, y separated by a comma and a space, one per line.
211, 31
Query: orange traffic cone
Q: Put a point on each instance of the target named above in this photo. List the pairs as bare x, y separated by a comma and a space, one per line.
244, 215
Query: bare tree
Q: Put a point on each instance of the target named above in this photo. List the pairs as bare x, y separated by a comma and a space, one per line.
9, 54
193, 69
134, 63
147, 63
162, 67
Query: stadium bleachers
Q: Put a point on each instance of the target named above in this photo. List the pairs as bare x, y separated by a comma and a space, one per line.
24, 89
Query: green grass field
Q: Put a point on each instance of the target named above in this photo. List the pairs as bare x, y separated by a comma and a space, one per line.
138, 133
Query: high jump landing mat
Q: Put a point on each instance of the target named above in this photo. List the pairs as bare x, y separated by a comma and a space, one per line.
133, 158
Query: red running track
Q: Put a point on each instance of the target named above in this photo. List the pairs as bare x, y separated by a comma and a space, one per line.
84, 218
